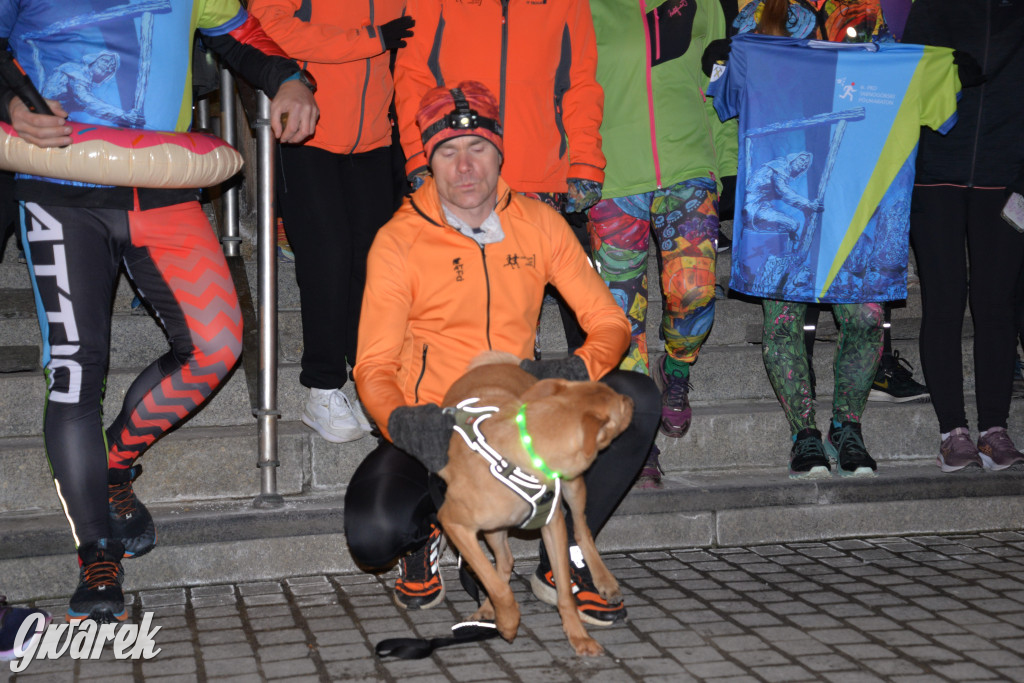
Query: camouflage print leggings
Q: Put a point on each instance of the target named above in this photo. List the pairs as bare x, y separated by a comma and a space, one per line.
858, 351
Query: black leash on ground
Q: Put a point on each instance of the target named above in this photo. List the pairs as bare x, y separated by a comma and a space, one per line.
465, 632
420, 648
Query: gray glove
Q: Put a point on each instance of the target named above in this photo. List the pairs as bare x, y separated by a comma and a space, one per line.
571, 368
423, 432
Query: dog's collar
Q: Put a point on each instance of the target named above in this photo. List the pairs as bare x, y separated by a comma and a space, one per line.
527, 441
542, 498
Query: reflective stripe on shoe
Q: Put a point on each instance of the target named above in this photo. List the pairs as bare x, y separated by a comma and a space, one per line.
419, 584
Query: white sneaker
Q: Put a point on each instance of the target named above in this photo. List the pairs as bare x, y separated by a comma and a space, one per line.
329, 412
357, 410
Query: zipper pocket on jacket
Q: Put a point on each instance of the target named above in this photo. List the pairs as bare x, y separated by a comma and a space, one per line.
423, 371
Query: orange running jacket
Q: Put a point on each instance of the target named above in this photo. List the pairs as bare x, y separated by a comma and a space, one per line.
434, 299
339, 44
538, 57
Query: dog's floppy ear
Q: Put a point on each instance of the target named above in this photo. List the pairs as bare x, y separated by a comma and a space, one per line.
543, 389
594, 431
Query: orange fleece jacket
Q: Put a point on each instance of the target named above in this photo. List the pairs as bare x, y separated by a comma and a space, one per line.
434, 299
339, 44
540, 61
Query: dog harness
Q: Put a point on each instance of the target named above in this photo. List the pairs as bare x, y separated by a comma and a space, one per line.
541, 497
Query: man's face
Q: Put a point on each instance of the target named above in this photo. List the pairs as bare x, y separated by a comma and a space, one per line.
466, 174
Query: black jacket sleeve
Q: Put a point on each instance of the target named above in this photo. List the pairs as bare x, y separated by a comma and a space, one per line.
261, 70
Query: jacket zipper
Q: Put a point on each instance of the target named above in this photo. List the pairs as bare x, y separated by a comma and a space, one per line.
362, 97
981, 94
650, 90
504, 60
423, 371
487, 283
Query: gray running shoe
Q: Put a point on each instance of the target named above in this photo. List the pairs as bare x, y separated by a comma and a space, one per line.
958, 453
998, 452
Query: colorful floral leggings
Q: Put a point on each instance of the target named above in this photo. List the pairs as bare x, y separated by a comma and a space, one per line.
684, 219
858, 351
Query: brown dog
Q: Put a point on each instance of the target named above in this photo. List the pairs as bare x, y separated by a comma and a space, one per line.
567, 424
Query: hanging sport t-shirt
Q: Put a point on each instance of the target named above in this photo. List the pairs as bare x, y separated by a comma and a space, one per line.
828, 136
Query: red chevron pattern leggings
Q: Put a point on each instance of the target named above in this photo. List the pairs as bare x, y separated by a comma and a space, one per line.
176, 264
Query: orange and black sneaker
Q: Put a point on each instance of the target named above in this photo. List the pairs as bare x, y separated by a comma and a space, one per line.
419, 584
593, 609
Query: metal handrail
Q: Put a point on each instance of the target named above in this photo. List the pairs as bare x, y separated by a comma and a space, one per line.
264, 397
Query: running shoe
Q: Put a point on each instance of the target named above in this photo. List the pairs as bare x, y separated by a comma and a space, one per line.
998, 451
419, 584
807, 459
650, 475
894, 381
957, 453
676, 413
99, 596
331, 414
11, 620
593, 609
130, 521
845, 446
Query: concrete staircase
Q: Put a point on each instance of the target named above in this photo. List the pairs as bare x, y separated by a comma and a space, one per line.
725, 481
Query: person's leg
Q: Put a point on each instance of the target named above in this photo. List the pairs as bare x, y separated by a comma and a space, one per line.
620, 236
938, 231
177, 264
785, 359
364, 179
316, 207
997, 258
858, 350
73, 263
388, 509
787, 363
996, 255
73, 260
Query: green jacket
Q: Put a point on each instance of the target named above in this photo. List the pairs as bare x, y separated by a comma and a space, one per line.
659, 128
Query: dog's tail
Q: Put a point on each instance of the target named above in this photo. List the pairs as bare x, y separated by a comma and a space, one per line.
493, 358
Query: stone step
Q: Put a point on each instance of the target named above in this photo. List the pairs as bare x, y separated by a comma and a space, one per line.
207, 462
232, 540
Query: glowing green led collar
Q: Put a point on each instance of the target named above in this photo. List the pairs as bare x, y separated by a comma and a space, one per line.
527, 441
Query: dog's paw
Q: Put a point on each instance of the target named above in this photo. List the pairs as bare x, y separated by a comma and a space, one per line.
485, 613
586, 646
508, 626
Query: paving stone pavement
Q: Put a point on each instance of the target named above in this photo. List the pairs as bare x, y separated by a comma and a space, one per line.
909, 610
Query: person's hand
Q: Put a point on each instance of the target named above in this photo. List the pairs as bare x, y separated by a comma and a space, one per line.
293, 112
716, 51
817, 206
423, 432
42, 130
132, 119
968, 69
582, 194
394, 33
572, 368
418, 177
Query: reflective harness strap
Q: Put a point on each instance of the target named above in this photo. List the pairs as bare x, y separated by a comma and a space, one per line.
541, 497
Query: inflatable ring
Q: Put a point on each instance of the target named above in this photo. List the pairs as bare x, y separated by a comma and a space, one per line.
128, 157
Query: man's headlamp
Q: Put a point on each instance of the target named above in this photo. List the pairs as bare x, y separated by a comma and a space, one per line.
463, 118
